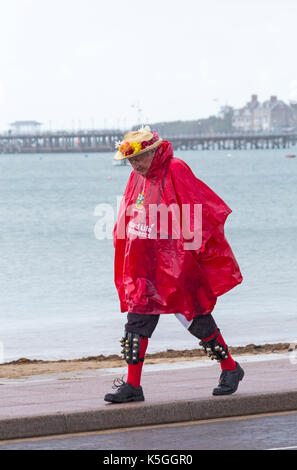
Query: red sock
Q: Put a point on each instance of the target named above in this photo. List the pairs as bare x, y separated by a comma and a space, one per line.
134, 370
226, 364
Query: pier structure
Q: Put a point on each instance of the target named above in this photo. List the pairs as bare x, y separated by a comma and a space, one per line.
88, 141
60, 141
234, 142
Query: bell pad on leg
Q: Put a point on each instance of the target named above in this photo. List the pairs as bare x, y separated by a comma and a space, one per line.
131, 348
214, 349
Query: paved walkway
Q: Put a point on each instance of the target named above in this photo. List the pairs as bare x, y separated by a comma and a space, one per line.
73, 402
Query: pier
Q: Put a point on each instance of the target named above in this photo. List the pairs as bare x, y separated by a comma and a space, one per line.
235, 142
87, 141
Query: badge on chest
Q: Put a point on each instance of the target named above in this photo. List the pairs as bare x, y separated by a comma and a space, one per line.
139, 201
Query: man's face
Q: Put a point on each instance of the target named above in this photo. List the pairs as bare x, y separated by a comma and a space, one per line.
142, 163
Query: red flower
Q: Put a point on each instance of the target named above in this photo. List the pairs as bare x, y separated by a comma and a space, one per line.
144, 144
129, 151
126, 149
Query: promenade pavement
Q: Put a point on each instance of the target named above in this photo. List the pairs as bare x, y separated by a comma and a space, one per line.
180, 392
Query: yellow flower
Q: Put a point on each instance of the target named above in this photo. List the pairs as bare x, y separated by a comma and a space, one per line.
136, 146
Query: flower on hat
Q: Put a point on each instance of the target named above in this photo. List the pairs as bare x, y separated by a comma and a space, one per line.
145, 129
118, 143
130, 148
126, 149
136, 146
144, 144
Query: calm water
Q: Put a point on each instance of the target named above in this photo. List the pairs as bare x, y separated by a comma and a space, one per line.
58, 299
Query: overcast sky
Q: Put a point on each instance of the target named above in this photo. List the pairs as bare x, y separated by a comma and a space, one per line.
70, 63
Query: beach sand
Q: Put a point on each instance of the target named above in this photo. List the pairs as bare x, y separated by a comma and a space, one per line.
26, 367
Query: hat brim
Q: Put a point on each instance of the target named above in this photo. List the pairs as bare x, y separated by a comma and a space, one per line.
120, 156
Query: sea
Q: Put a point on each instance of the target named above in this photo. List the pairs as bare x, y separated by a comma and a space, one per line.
57, 293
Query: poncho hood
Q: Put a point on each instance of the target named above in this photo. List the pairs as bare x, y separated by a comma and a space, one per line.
158, 272
162, 155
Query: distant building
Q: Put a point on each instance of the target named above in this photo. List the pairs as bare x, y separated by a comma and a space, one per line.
25, 127
271, 115
225, 111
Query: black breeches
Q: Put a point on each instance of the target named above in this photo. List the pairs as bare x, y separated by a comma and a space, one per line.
142, 324
201, 327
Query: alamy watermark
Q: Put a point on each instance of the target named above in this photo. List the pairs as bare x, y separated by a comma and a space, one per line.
176, 222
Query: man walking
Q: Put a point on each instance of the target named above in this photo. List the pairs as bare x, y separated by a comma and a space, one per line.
171, 257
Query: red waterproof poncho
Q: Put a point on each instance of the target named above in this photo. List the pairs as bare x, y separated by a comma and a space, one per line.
158, 275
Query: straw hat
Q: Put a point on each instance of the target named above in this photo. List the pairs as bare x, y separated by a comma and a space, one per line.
137, 142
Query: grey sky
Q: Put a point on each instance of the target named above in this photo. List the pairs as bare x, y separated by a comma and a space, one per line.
67, 61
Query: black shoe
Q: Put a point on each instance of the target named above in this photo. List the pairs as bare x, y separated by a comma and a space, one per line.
229, 380
125, 393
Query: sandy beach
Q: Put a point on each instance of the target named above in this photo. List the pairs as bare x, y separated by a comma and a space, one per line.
24, 367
